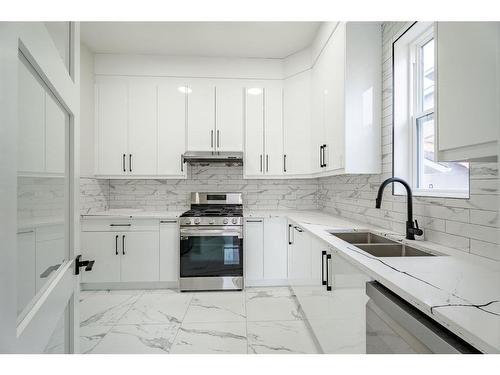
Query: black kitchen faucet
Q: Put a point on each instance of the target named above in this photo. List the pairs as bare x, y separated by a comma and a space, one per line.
411, 230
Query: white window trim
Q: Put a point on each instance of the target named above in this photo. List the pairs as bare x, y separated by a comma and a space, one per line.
414, 113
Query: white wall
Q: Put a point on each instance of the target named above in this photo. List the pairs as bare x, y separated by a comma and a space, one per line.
86, 112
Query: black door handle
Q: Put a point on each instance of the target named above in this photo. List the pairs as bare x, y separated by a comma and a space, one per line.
324, 158
328, 286
321, 156
130, 162
123, 244
88, 264
123, 161
116, 245
323, 255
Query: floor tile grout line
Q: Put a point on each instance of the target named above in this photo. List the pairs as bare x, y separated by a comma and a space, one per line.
180, 324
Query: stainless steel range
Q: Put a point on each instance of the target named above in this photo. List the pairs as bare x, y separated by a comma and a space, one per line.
211, 243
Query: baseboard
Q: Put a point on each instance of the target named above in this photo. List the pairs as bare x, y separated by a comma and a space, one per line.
130, 285
274, 282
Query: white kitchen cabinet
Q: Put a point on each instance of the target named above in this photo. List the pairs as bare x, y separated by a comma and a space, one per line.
299, 255
254, 250
345, 102
229, 116
171, 130
140, 256
142, 129
169, 251
105, 249
264, 131
112, 128
275, 248
468, 90
201, 116
297, 119
254, 132
265, 250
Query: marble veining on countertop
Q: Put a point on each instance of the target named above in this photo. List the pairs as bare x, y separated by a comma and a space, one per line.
459, 290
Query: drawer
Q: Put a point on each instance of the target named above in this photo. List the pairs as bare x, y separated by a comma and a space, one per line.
119, 225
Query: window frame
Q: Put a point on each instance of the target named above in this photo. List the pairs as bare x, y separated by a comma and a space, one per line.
416, 112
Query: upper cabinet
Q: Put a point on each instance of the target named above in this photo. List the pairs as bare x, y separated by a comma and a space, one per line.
468, 90
215, 116
264, 131
345, 101
133, 120
297, 120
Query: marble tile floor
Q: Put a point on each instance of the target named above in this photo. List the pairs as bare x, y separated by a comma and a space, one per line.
254, 321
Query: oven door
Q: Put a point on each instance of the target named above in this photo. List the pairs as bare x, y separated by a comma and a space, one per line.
211, 252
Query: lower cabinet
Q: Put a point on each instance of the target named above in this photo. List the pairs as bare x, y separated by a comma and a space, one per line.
330, 291
265, 250
130, 255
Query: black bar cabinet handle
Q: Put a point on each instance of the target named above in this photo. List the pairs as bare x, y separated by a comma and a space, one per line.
289, 234
218, 137
328, 286
267, 162
321, 156
323, 256
211, 138
130, 162
120, 225
324, 156
116, 245
123, 244
261, 162
284, 163
123, 161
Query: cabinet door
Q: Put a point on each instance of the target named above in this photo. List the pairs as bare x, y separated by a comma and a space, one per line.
103, 247
297, 124
467, 89
275, 249
55, 136
299, 257
140, 256
273, 131
254, 131
142, 129
201, 116
229, 125
169, 251
112, 127
31, 130
317, 113
254, 249
171, 130
333, 89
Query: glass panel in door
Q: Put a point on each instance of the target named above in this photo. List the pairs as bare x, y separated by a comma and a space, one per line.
42, 187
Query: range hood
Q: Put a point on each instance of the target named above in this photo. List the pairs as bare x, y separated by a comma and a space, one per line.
212, 157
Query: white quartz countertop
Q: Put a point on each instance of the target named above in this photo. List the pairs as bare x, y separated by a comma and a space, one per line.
135, 213
459, 290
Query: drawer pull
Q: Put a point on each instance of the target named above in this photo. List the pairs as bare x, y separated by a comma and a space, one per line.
120, 225
168, 221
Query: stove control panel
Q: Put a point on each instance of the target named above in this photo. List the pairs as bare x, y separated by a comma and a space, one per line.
220, 221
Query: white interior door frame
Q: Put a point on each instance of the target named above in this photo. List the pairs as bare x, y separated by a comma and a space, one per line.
36, 44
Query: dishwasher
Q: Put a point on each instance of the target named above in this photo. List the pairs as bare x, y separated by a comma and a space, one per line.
393, 326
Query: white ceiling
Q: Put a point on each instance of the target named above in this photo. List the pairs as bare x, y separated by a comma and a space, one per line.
221, 39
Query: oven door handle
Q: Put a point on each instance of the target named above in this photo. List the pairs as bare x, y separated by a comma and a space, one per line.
211, 232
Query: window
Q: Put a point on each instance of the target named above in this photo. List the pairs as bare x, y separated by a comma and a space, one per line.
414, 107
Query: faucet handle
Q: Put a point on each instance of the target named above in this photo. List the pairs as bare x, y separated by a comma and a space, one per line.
416, 224
417, 230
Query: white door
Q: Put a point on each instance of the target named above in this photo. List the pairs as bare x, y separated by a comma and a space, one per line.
105, 249
273, 131
297, 135
254, 131
275, 248
112, 128
201, 116
142, 129
44, 319
139, 256
171, 129
229, 110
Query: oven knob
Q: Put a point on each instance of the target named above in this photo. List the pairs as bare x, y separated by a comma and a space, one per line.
197, 221
212, 221
234, 221
187, 222
226, 221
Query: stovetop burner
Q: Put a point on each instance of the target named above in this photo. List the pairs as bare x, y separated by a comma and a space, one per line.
215, 211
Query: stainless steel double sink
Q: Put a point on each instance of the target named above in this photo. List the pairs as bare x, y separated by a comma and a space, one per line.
380, 246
